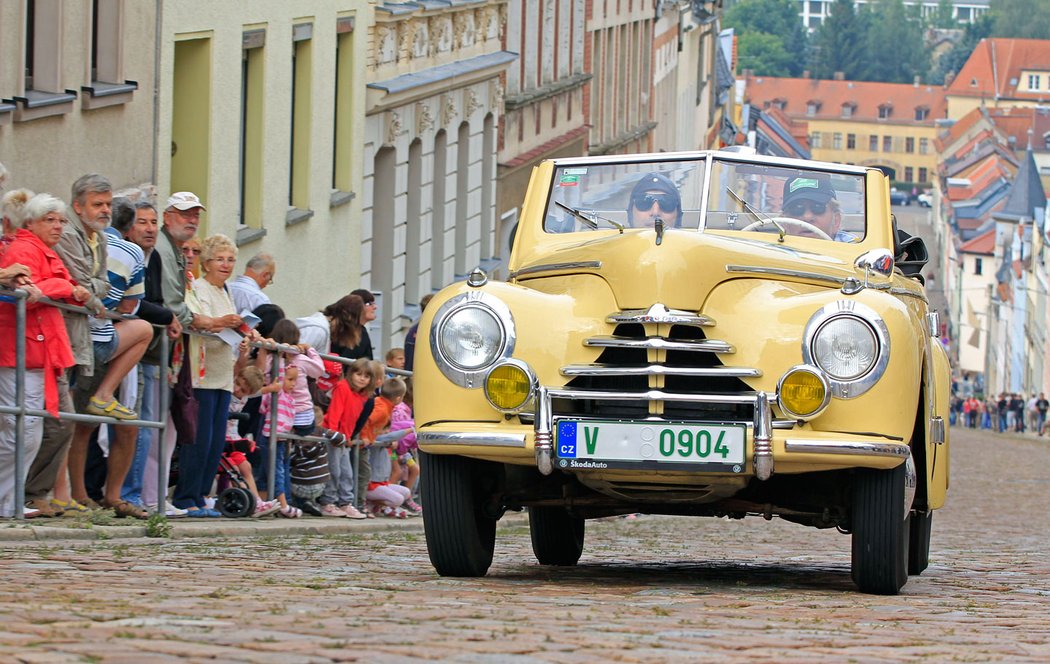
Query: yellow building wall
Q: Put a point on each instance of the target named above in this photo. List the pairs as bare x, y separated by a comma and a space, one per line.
898, 158
317, 244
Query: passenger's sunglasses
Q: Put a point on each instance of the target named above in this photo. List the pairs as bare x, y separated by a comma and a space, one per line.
798, 208
667, 202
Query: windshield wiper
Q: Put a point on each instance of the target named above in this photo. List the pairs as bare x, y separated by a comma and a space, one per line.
592, 220
756, 214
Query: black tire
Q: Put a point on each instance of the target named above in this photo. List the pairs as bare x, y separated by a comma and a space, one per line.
557, 536
880, 531
460, 535
919, 542
236, 502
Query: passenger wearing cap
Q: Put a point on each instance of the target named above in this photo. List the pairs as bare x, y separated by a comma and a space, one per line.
810, 198
654, 197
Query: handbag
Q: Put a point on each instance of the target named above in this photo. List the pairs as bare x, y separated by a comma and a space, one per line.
184, 404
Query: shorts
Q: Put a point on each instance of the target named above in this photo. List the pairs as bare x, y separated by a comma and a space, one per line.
85, 386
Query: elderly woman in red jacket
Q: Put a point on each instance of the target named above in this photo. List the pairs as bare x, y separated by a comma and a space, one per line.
47, 349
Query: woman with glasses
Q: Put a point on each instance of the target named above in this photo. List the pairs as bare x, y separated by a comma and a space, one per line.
47, 349
212, 377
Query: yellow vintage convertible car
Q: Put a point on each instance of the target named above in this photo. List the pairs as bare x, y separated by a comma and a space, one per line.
705, 334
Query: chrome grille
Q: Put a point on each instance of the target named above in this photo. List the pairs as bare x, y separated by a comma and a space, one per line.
658, 362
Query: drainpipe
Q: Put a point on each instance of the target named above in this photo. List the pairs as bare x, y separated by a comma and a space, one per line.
158, 22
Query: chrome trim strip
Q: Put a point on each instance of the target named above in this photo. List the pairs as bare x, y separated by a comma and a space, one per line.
763, 438
813, 276
659, 343
460, 438
653, 395
657, 370
784, 272
658, 313
847, 447
555, 267
907, 293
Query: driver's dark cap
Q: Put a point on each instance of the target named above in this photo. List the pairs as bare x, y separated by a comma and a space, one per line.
814, 188
654, 182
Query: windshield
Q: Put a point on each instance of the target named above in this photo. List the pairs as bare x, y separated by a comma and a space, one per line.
743, 196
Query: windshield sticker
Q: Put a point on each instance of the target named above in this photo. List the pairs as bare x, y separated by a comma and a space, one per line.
575, 171
569, 180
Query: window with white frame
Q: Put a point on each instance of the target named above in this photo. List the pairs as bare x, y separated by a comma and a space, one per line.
1033, 81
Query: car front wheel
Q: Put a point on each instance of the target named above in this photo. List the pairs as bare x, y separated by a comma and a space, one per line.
460, 535
880, 531
557, 536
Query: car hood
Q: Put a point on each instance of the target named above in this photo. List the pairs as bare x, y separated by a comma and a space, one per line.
687, 265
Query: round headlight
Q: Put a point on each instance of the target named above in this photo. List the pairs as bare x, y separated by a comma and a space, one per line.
803, 392
470, 338
845, 348
509, 386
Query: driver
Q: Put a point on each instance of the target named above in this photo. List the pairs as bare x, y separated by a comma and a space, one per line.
654, 196
810, 198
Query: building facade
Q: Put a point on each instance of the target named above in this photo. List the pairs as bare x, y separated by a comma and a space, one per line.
1002, 73
434, 99
260, 114
76, 92
890, 125
814, 12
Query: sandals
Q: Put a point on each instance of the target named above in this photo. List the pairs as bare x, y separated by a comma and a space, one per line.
69, 506
123, 509
290, 512
393, 512
113, 409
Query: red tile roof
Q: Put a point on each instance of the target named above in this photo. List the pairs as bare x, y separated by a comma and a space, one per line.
1015, 123
865, 97
994, 69
982, 244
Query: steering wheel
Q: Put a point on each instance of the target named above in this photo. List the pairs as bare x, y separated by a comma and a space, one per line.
787, 221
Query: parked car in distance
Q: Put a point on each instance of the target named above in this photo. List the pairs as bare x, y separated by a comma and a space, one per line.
701, 334
925, 199
898, 197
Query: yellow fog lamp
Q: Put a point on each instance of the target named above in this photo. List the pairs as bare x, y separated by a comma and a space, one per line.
803, 392
510, 385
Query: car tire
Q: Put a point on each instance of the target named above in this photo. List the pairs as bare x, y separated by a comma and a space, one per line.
236, 502
557, 536
880, 531
919, 532
460, 535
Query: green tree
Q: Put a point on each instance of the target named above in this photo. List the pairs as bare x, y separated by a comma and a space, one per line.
765, 54
783, 37
942, 17
896, 50
840, 43
953, 60
1020, 19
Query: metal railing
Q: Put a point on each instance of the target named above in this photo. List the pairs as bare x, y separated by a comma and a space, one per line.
21, 411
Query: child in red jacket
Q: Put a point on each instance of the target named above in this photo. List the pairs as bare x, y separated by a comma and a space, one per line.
348, 399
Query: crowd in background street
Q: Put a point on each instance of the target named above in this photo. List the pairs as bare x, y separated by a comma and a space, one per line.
236, 365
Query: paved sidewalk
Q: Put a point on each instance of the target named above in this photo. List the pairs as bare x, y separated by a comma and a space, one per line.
103, 526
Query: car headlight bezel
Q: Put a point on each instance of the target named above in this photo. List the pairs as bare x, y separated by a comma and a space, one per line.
851, 387
471, 377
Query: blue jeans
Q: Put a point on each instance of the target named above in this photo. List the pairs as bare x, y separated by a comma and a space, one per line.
199, 462
132, 489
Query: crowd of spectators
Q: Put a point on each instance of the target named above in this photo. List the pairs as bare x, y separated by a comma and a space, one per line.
137, 277
1010, 412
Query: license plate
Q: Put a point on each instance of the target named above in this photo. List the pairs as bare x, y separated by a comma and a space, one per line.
598, 444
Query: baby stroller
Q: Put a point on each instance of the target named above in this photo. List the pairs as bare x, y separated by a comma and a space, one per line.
235, 498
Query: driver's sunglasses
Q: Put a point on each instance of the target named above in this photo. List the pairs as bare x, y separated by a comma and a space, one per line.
798, 208
667, 202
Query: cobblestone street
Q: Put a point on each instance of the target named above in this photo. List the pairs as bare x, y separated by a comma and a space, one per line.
651, 589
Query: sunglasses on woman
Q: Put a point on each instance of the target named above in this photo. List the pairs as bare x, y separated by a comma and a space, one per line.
798, 208
667, 202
